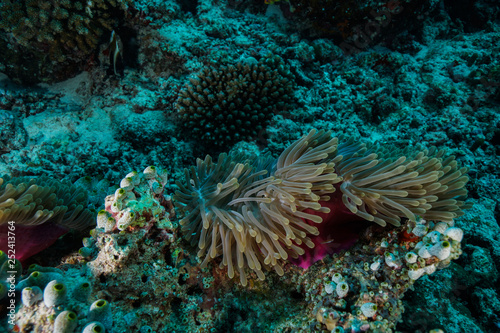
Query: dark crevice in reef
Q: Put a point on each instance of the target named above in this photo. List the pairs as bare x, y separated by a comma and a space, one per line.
194, 290
136, 304
497, 214
167, 255
189, 6
130, 46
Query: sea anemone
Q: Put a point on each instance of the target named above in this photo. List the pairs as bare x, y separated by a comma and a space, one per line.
257, 214
252, 213
383, 185
41, 209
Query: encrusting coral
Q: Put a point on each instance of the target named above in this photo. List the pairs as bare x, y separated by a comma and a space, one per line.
255, 214
360, 290
53, 300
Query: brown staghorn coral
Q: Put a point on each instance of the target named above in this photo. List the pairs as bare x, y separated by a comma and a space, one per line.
252, 213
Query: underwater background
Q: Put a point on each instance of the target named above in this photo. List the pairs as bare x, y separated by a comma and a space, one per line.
323, 207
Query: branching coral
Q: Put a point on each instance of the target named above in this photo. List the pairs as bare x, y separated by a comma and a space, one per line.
253, 213
226, 104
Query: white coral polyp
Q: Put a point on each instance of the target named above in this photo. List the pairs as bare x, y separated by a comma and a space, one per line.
454, 233
442, 250
414, 274
342, 289
369, 309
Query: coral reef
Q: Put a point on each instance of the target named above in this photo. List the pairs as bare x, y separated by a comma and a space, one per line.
356, 25
430, 79
141, 131
54, 300
52, 40
470, 279
13, 134
360, 290
154, 282
23, 103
